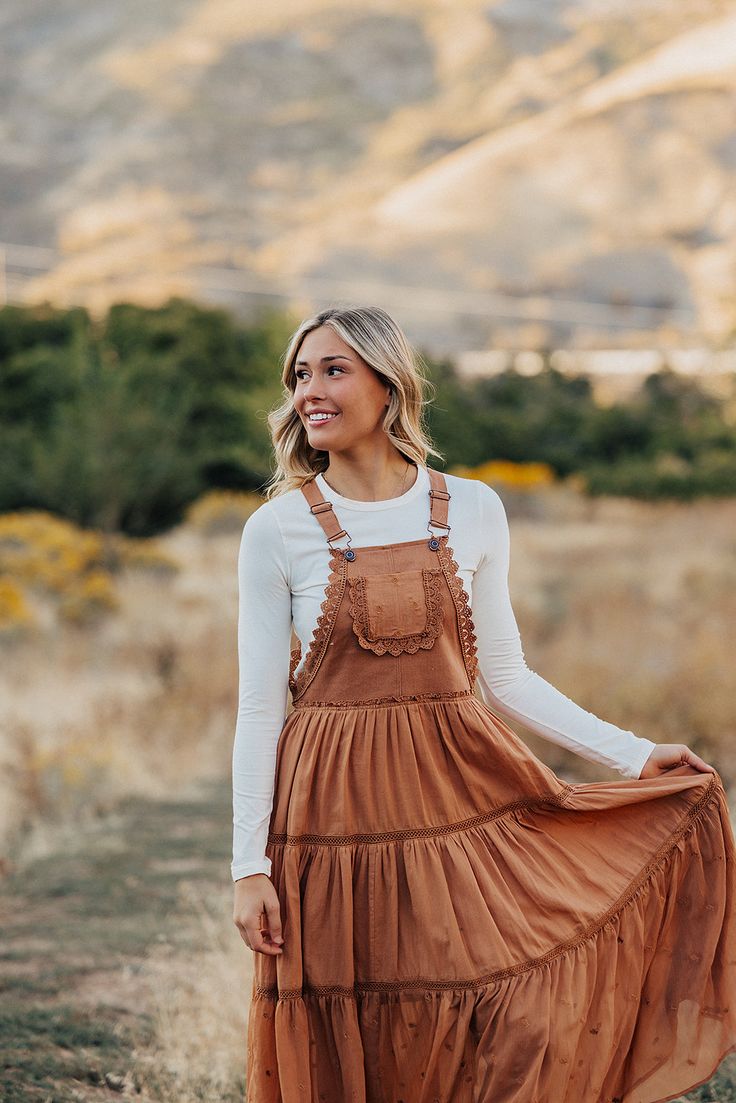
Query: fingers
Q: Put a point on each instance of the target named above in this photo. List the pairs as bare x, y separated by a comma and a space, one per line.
260, 940
674, 759
698, 763
688, 760
255, 933
273, 917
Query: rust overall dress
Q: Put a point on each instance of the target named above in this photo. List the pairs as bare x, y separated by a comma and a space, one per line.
460, 924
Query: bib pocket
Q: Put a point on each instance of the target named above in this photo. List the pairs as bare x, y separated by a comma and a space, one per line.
397, 612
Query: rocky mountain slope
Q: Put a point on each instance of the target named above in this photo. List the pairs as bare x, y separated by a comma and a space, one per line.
561, 167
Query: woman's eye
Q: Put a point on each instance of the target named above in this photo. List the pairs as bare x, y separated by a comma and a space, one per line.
333, 367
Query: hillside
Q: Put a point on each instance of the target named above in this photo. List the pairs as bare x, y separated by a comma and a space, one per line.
540, 161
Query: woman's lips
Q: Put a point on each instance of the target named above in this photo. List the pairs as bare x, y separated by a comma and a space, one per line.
322, 420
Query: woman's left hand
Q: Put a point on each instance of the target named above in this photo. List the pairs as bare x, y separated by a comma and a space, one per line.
673, 758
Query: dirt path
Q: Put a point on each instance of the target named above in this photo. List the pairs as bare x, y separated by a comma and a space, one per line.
77, 932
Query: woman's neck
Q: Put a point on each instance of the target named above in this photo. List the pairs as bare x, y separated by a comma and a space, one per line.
377, 484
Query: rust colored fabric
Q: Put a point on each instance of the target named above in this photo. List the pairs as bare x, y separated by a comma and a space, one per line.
461, 925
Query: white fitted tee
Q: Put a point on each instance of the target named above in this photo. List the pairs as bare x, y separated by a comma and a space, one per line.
283, 569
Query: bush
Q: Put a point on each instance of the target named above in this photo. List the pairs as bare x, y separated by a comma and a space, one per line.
668, 477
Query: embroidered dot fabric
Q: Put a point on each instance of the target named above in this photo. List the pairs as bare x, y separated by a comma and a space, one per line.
461, 925
395, 612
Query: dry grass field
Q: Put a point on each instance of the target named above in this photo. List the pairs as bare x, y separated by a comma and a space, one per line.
116, 743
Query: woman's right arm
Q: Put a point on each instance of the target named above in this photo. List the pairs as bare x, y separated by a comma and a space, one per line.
264, 636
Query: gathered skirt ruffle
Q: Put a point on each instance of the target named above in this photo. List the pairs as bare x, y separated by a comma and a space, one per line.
461, 925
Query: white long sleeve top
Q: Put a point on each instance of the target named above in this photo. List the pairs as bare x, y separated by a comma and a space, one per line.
283, 567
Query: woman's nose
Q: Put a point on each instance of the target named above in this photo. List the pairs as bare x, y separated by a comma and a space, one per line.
313, 390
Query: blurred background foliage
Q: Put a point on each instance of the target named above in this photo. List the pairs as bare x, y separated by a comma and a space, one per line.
120, 424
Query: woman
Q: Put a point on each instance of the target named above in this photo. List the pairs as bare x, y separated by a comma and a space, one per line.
435, 915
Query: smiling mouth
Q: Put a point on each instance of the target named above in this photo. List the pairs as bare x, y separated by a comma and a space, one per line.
321, 420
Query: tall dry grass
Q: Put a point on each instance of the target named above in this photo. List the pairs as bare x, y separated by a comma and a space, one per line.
139, 701
199, 1008
630, 609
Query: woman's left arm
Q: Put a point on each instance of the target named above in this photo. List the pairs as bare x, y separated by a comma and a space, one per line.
514, 691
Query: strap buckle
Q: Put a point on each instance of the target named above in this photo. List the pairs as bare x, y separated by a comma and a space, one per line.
434, 542
347, 551
440, 524
441, 496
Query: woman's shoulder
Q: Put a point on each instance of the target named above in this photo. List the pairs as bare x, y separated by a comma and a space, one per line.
273, 519
475, 497
263, 521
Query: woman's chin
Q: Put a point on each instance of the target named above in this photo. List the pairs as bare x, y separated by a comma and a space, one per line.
317, 439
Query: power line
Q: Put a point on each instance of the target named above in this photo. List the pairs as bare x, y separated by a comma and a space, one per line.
532, 307
438, 300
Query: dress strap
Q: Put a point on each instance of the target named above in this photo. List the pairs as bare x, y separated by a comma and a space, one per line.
323, 511
439, 497
325, 514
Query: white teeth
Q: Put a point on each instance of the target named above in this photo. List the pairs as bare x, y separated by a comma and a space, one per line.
321, 417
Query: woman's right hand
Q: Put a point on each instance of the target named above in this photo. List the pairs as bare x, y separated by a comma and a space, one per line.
257, 915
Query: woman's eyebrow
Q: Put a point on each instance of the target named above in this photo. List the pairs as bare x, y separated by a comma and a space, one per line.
337, 356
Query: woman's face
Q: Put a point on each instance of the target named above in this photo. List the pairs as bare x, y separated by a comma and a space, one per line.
332, 378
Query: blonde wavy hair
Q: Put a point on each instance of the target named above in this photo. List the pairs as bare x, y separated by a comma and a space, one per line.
375, 336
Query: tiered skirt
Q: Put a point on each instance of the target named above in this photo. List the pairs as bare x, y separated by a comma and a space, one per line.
463, 926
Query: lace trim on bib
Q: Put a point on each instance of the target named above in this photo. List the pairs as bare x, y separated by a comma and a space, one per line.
337, 581
466, 628
322, 629
365, 614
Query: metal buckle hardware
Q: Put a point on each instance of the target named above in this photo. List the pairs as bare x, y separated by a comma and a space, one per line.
434, 543
347, 551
